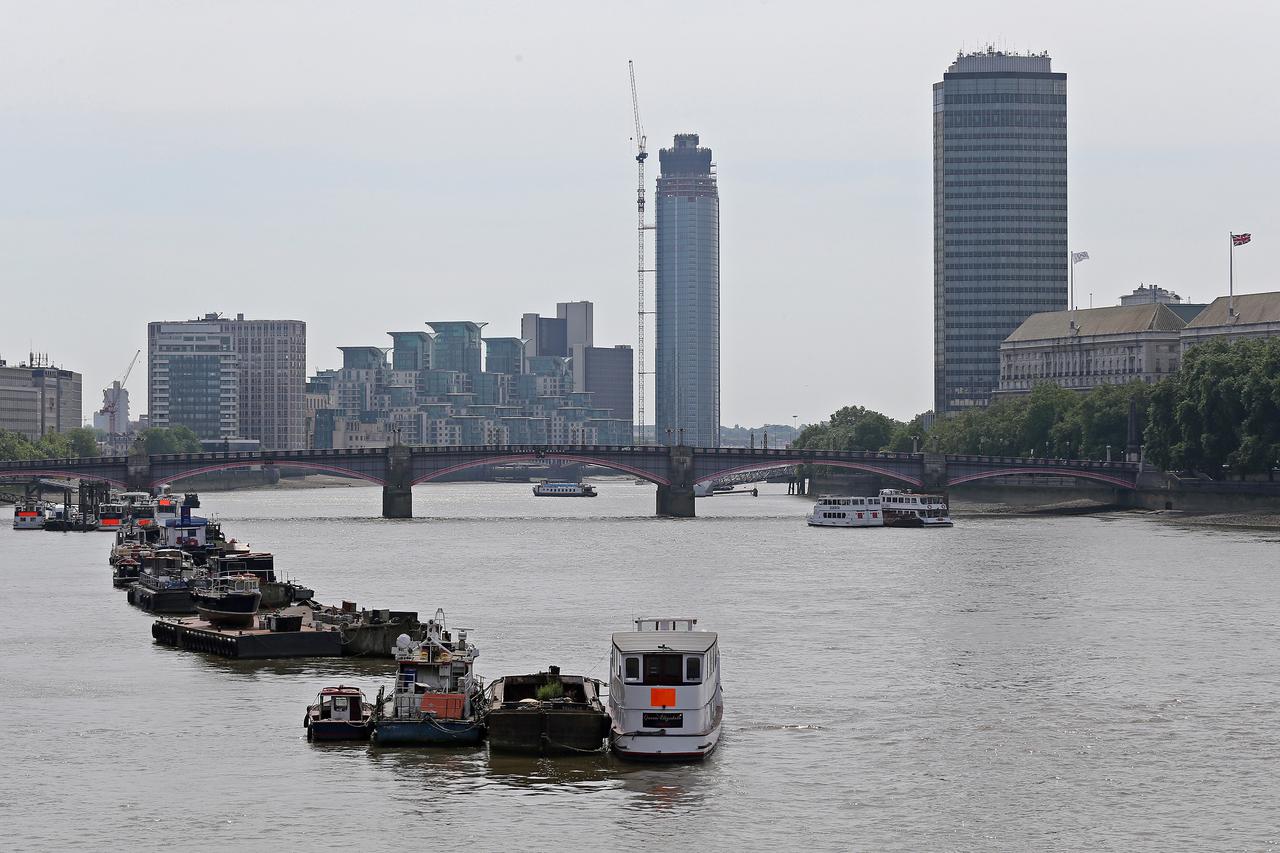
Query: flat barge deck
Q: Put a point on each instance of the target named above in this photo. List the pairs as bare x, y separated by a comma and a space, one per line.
256, 643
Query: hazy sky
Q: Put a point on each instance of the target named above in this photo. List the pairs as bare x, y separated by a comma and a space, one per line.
372, 166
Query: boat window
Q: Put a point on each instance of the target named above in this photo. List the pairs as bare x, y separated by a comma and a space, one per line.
693, 669
663, 669
632, 672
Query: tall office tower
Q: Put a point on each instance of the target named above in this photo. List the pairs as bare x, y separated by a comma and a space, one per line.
608, 373
687, 356
579, 323
544, 335
227, 378
999, 213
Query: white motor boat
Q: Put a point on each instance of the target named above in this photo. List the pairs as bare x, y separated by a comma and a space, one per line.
846, 512
665, 702
548, 489
909, 509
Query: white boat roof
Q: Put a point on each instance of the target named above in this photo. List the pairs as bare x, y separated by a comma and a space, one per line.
661, 641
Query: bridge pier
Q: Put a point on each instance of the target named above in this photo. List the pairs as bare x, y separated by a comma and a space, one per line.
676, 500
397, 493
138, 470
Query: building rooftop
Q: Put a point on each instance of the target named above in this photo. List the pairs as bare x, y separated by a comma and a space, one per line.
1115, 320
990, 59
1251, 308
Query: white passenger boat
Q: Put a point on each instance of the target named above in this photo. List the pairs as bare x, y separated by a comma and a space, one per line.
665, 702
846, 512
908, 509
29, 515
548, 489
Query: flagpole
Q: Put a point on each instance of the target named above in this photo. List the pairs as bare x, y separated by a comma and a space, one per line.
1231, 275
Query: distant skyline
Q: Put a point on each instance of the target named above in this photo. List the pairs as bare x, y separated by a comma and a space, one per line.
367, 168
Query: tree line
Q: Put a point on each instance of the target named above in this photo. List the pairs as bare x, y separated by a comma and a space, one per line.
82, 442
1219, 412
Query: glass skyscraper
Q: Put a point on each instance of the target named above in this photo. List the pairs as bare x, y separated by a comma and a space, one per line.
999, 213
687, 302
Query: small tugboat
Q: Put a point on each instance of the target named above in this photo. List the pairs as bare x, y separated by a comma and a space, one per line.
547, 714
846, 512
164, 582
29, 515
664, 692
436, 698
231, 602
548, 489
908, 509
340, 713
125, 572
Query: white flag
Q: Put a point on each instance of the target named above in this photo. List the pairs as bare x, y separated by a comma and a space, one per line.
1077, 257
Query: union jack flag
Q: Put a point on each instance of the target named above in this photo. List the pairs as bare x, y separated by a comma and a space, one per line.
1240, 239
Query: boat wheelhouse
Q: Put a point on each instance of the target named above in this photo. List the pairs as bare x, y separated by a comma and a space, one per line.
664, 691
549, 489
846, 512
908, 509
546, 713
436, 697
340, 713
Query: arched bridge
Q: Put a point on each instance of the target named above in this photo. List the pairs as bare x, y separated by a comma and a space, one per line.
674, 470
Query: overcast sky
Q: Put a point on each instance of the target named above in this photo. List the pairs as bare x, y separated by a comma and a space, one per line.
372, 166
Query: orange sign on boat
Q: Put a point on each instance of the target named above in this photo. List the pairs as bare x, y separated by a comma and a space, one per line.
446, 706
662, 697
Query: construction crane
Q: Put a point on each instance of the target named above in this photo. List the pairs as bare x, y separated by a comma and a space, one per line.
641, 156
112, 404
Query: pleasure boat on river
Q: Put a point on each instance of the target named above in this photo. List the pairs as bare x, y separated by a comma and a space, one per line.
909, 509
548, 489
29, 515
664, 691
846, 512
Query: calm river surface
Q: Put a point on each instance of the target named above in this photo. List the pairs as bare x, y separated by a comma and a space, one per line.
1012, 683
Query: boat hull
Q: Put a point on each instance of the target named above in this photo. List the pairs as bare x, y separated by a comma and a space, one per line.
427, 732
177, 601
553, 732
329, 730
660, 747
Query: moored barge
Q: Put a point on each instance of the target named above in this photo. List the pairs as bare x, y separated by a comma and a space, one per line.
546, 713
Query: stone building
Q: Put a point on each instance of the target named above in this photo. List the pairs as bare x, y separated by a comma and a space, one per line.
1090, 347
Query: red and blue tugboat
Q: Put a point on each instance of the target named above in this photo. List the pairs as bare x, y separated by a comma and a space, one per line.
340, 713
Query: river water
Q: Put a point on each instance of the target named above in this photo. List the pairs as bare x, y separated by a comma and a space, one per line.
1009, 684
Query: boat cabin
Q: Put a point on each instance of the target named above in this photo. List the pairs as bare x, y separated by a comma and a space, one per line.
186, 533
340, 704
663, 675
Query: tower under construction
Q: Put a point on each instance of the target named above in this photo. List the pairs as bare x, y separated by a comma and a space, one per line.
687, 301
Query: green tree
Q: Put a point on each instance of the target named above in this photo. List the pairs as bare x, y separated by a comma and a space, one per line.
54, 445
14, 445
84, 442
850, 428
159, 440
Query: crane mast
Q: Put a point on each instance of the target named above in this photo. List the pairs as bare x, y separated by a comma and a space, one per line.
641, 156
